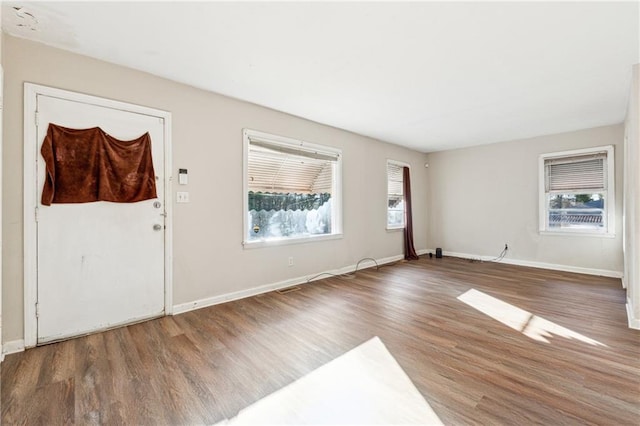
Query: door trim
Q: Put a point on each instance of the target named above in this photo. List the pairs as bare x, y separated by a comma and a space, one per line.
1, 149
30, 252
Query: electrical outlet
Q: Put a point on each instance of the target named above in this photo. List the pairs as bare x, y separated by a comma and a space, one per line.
291, 261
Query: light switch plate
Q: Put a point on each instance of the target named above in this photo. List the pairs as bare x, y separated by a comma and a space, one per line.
182, 197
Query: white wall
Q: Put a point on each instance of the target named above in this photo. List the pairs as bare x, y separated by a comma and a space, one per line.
207, 129
631, 201
483, 197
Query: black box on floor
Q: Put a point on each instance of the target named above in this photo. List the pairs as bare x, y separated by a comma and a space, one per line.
438, 253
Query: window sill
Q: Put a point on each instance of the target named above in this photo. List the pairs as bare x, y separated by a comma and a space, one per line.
289, 241
577, 234
395, 228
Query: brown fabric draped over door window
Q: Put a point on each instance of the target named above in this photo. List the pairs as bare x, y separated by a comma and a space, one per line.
89, 165
409, 249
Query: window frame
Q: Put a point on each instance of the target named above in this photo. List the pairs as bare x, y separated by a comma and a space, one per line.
297, 144
609, 191
404, 219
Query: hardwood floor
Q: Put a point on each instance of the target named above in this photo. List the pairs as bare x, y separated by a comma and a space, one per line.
204, 366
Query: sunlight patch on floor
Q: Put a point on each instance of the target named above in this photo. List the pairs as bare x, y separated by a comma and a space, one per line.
364, 386
529, 324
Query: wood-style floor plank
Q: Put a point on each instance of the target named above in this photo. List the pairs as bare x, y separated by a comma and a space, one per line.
203, 366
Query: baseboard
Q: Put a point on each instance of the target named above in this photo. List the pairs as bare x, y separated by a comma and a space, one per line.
12, 347
254, 291
228, 297
541, 265
633, 322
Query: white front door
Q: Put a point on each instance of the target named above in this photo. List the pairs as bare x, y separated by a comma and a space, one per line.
99, 264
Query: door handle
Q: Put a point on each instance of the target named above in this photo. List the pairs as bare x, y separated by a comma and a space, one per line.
157, 227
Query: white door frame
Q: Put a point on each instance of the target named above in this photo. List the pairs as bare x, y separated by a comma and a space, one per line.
1, 150
31, 91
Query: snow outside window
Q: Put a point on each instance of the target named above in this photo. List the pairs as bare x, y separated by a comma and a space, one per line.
395, 195
577, 191
292, 190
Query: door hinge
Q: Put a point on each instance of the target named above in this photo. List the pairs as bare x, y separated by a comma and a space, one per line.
37, 310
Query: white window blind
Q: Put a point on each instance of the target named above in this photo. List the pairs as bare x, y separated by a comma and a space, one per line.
278, 168
576, 173
394, 180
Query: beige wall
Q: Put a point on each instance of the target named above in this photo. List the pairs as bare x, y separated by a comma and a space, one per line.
632, 199
483, 197
208, 256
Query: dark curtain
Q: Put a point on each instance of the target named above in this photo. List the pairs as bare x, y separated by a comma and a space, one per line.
409, 249
85, 165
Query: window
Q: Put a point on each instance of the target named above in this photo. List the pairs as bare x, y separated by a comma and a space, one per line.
291, 190
395, 195
577, 191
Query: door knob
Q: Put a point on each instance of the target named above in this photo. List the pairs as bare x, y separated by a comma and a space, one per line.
157, 227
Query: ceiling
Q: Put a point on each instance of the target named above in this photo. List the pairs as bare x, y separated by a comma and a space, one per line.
426, 75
